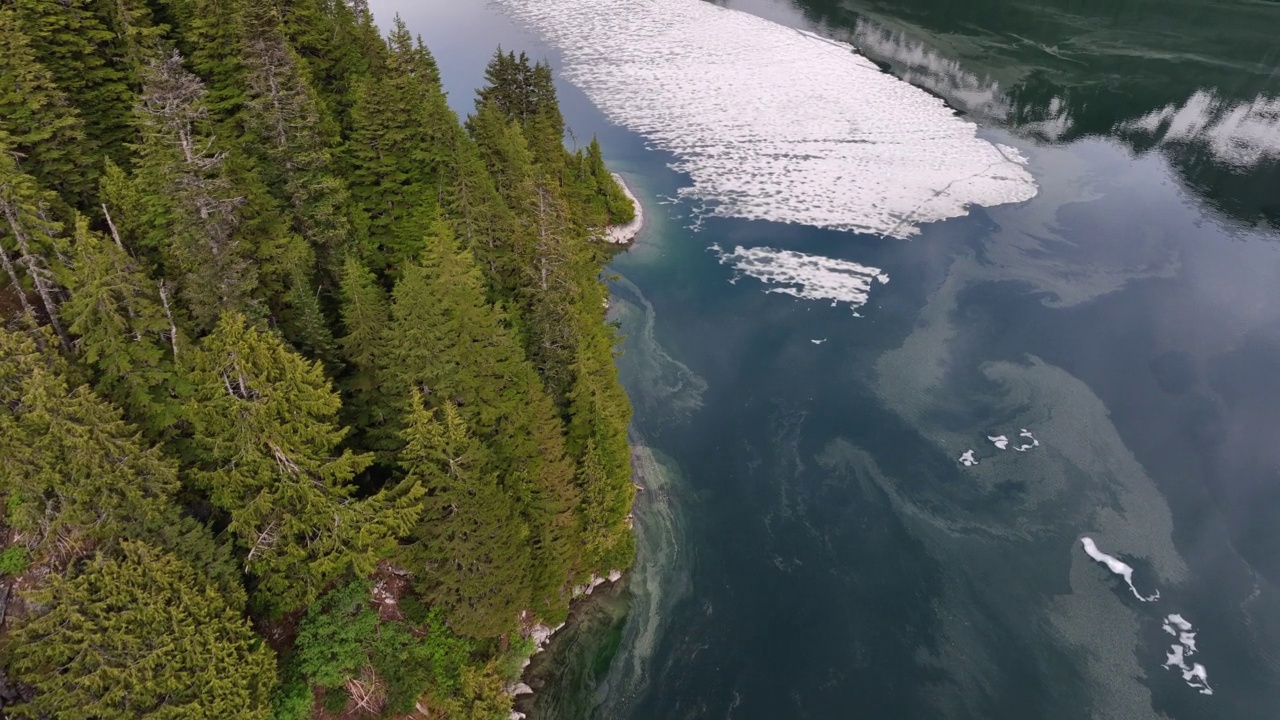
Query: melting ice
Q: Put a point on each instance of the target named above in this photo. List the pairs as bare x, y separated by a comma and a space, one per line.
1194, 674
967, 459
773, 123
1116, 566
811, 277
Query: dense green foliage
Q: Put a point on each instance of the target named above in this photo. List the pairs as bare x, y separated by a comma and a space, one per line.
307, 398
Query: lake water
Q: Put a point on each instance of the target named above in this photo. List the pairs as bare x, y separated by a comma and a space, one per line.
816, 538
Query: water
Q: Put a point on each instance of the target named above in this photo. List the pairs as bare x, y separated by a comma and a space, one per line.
811, 545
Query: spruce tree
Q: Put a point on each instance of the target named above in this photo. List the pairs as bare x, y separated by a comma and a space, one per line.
470, 554
286, 123
401, 130
117, 315
265, 448
192, 203
76, 475
365, 317
28, 232
140, 636
43, 125
74, 44
446, 341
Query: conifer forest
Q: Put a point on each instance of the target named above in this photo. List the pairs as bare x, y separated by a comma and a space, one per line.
308, 405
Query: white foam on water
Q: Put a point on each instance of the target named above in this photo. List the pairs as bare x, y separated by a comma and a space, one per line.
1194, 674
967, 459
774, 123
1000, 441
810, 277
1116, 566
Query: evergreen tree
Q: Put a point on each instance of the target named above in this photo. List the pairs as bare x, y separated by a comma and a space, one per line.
401, 129
446, 341
72, 42
470, 554
365, 316
287, 124
265, 445
76, 475
116, 312
28, 231
140, 637
43, 125
192, 211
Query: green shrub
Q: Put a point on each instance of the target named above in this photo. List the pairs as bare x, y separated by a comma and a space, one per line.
14, 560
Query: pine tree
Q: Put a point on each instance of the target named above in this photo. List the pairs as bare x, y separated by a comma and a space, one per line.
193, 206
138, 39
470, 555
446, 341
287, 124
43, 125
401, 130
28, 231
365, 316
140, 637
76, 475
117, 314
265, 439
72, 42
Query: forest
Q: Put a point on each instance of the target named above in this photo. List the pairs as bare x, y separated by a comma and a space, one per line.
308, 404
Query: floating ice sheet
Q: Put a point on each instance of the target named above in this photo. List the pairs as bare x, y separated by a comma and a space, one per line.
1193, 674
811, 277
967, 459
774, 123
1116, 566
1000, 441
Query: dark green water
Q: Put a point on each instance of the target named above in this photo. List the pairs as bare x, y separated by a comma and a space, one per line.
810, 546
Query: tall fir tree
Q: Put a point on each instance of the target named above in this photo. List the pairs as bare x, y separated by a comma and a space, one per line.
446, 341
73, 43
141, 636
265, 448
470, 554
76, 475
44, 126
28, 231
116, 313
191, 201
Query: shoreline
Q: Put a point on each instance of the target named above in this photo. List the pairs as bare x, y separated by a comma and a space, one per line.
626, 234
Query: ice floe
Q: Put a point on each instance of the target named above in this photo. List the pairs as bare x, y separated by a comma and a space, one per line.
818, 342
1194, 674
967, 459
1023, 447
1116, 566
811, 277
774, 123
1000, 441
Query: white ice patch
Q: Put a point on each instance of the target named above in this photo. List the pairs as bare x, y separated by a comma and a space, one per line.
1194, 674
818, 342
773, 123
967, 459
1116, 566
1023, 447
811, 277
1000, 441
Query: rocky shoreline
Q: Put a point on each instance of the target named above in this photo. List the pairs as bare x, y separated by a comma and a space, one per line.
626, 234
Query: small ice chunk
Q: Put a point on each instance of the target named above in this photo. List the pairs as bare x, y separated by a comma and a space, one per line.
1023, 447
818, 342
1195, 674
967, 459
1116, 566
1000, 441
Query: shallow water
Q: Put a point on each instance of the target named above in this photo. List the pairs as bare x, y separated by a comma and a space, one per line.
811, 544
